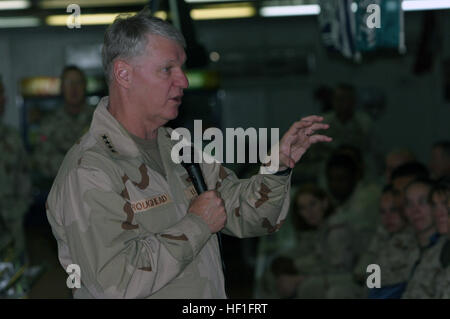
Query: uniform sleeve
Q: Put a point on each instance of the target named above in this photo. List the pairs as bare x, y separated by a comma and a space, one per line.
255, 206
94, 228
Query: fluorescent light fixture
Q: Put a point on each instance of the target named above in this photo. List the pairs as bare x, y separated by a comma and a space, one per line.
223, 13
93, 19
19, 22
14, 5
59, 4
85, 19
209, 1
161, 14
417, 5
281, 11
314, 9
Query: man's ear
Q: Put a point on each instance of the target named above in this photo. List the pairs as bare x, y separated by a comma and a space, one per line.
123, 73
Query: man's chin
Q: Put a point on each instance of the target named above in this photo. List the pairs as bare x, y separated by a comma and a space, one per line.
170, 116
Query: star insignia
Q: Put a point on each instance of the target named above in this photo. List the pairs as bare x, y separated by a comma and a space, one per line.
108, 143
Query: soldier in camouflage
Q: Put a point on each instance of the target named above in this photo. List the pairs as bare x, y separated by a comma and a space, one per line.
61, 129
440, 201
355, 200
319, 264
125, 212
394, 248
434, 245
15, 198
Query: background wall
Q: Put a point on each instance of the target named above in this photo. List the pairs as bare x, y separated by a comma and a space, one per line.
416, 114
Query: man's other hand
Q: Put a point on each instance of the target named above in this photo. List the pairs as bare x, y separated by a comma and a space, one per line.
211, 208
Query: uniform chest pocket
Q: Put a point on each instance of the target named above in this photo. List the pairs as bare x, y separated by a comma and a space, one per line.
155, 213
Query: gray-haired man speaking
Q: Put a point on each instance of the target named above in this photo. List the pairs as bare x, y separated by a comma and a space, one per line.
123, 211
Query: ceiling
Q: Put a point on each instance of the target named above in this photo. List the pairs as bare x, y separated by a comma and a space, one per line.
32, 13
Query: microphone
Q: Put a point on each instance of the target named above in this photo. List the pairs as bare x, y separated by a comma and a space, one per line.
195, 173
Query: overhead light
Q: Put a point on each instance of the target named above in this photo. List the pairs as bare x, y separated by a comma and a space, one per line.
416, 5
59, 4
61, 20
19, 22
300, 10
161, 14
314, 9
214, 56
223, 13
14, 5
85, 19
94, 19
209, 1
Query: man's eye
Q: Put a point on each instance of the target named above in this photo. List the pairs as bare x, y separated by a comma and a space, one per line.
166, 69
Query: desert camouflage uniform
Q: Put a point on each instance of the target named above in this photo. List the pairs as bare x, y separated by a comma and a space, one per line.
15, 186
15, 197
330, 268
325, 258
443, 282
360, 212
127, 228
56, 135
424, 281
395, 253
292, 244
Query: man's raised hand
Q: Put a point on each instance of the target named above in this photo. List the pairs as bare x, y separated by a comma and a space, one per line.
300, 136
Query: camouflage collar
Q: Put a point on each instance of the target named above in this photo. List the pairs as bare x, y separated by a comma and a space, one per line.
114, 137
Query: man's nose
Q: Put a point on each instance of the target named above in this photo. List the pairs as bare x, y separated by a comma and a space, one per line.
181, 80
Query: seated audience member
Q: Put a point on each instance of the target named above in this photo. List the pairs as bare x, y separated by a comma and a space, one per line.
356, 202
15, 198
348, 124
433, 245
396, 158
319, 265
406, 173
440, 201
440, 160
296, 233
394, 248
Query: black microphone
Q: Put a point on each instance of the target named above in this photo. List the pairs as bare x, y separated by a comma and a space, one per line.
195, 173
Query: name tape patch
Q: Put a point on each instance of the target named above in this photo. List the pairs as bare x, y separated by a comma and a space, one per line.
146, 204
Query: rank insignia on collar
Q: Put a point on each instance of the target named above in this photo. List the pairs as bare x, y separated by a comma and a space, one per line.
108, 143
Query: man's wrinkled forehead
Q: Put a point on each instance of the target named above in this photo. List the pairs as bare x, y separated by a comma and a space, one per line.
174, 52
